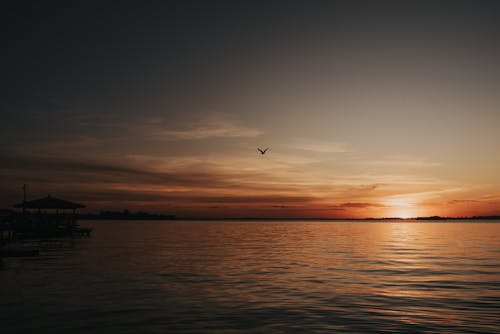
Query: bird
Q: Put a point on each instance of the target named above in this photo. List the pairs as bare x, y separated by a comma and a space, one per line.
262, 151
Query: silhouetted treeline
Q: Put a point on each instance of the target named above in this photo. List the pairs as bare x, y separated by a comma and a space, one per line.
459, 218
432, 218
124, 215
6, 214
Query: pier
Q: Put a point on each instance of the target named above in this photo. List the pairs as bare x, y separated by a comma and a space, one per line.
47, 217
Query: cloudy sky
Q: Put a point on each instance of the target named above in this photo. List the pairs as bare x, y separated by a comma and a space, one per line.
370, 108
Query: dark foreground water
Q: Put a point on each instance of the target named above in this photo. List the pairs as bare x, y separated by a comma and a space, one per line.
259, 277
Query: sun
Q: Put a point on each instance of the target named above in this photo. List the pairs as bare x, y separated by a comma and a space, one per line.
401, 207
403, 213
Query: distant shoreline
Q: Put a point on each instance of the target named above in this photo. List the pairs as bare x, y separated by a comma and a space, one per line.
125, 215
140, 215
388, 219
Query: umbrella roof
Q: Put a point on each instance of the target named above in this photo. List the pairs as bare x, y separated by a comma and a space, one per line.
49, 202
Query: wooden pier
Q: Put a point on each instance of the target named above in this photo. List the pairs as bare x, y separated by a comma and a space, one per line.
40, 219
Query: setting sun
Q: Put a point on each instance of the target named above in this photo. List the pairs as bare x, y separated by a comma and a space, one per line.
403, 213
402, 207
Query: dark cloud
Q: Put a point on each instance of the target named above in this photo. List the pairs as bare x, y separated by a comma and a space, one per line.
63, 170
366, 187
359, 205
462, 201
281, 206
107, 184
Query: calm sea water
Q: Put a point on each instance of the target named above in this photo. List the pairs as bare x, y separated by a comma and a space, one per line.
259, 277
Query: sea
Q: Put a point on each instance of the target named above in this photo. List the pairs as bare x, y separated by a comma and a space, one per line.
259, 277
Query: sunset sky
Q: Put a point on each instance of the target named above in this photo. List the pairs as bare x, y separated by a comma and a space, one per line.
370, 108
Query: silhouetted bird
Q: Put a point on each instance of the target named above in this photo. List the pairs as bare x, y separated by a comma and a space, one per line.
262, 151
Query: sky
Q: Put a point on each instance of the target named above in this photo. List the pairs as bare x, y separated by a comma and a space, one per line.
369, 108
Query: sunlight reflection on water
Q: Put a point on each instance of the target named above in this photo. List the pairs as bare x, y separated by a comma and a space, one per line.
256, 277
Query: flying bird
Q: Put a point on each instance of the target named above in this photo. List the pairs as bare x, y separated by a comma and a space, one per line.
262, 151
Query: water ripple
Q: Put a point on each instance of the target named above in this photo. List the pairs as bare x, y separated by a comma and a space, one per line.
255, 277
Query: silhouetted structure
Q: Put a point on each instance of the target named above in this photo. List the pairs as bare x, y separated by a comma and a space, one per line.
49, 202
50, 219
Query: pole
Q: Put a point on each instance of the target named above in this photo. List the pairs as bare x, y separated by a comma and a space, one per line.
24, 197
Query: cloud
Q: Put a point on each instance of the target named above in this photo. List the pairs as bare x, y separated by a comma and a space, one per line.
462, 201
391, 179
213, 125
356, 205
216, 126
318, 146
65, 143
66, 170
361, 205
365, 188
405, 161
113, 182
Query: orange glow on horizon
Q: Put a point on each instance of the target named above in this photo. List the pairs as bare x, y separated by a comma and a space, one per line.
403, 213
